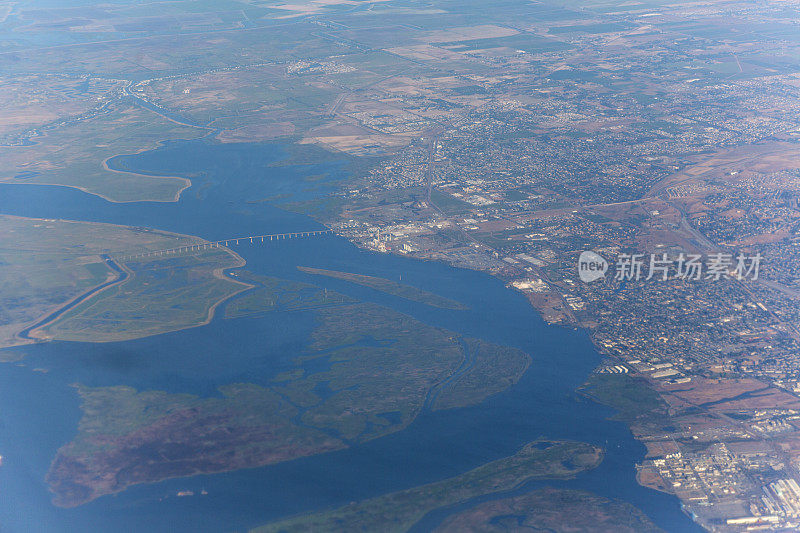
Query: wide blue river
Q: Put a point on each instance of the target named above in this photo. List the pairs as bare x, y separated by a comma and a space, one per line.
39, 411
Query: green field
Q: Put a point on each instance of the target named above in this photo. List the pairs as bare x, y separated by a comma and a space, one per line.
44, 264
76, 156
163, 294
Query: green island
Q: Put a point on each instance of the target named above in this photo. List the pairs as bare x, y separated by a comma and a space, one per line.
489, 369
47, 264
367, 371
399, 511
549, 509
162, 294
273, 294
390, 287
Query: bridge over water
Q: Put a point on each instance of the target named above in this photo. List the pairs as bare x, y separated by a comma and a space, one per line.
228, 242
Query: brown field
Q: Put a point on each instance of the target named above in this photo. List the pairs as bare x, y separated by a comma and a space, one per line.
485, 31
426, 52
257, 132
649, 477
551, 307
766, 157
727, 395
35, 100
368, 143
661, 448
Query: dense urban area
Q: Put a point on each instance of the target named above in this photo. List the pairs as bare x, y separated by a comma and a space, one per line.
643, 136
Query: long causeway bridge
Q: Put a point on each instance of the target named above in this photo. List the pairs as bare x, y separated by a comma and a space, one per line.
227, 242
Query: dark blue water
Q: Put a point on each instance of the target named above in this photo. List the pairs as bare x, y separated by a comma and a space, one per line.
39, 411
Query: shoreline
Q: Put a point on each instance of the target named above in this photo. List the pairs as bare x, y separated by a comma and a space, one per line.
175, 198
186, 181
27, 335
241, 259
571, 324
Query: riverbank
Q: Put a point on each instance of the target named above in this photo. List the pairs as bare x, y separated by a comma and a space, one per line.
56, 270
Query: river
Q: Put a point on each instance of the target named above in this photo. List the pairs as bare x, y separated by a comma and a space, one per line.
39, 411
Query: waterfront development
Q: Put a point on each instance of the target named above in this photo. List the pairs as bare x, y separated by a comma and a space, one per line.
267, 353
